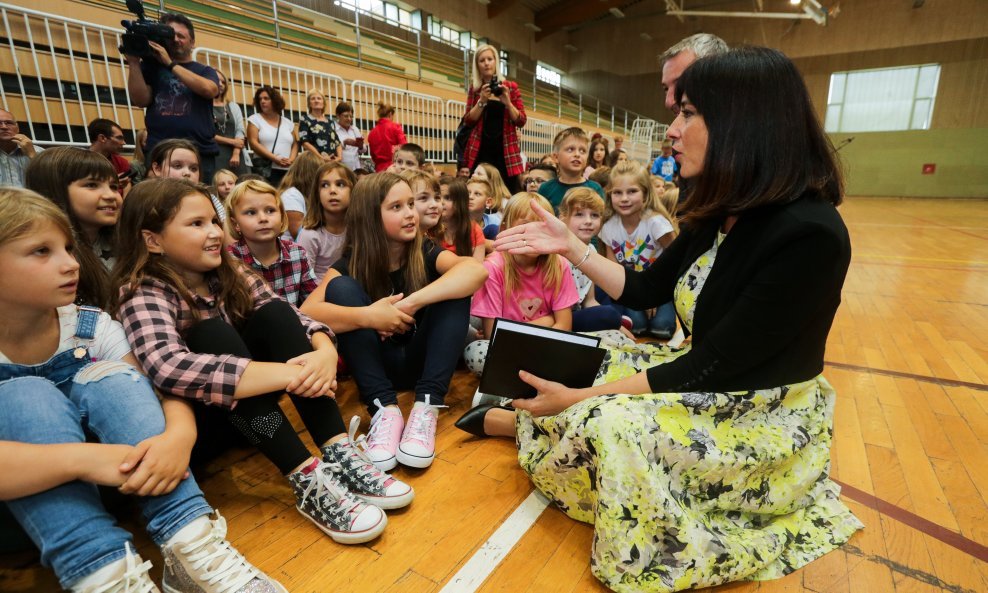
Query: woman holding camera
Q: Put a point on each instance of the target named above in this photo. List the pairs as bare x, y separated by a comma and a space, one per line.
495, 111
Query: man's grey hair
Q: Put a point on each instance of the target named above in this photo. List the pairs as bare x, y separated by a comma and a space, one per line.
701, 44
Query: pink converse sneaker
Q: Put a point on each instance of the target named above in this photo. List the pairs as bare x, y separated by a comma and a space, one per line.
418, 443
385, 432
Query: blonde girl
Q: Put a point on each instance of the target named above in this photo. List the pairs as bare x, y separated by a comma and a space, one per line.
428, 203
324, 226
293, 188
255, 220
638, 228
66, 370
499, 198
537, 289
399, 305
81, 183
223, 182
462, 235
200, 324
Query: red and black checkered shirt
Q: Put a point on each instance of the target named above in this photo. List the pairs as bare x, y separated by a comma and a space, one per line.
156, 319
290, 276
512, 145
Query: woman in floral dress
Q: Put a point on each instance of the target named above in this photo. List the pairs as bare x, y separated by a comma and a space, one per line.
708, 464
316, 132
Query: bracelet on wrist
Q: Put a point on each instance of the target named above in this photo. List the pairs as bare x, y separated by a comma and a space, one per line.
171, 66
586, 256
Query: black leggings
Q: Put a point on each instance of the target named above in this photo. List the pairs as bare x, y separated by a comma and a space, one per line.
272, 334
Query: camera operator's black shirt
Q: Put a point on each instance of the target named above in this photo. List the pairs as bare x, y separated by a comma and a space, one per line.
494, 121
176, 111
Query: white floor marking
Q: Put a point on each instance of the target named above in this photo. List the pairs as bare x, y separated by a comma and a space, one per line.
496, 548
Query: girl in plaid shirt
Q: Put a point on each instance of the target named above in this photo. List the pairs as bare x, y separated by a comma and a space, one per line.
256, 219
205, 328
65, 369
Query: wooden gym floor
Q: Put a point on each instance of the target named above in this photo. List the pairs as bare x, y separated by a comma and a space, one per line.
908, 356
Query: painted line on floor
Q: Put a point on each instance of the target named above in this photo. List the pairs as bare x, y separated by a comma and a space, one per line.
934, 530
487, 558
903, 375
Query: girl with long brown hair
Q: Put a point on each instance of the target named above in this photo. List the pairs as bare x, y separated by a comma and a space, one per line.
200, 325
400, 307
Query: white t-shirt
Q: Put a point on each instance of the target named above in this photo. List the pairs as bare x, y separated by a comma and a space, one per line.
294, 201
635, 251
322, 247
108, 343
351, 154
266, 135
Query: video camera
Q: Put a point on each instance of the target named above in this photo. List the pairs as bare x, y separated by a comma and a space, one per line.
139, 33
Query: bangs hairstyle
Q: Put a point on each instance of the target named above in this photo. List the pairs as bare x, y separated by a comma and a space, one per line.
549, 267
239, 191
475, 81
23, 211
314, 217
416, 178
163, 150
227, 172
765, 144
499, 189
367, 244
150, 206
459, 220
651, 204
565, 135
301, 173
580, 198
415, 150
49, 173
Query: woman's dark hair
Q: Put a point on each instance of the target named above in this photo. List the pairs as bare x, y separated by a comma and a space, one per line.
277, 101
163, 150
49, 174
765, 144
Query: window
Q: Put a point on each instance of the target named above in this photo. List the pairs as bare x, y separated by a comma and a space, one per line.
503, 60
388, 11
548, 75
450, 34
887, 99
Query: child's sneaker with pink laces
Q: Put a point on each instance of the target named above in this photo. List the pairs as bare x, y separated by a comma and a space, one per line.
418, 443
384, 436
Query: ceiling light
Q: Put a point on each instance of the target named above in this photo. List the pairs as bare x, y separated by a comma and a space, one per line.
533, 27
616, 12
645, 36
570, 47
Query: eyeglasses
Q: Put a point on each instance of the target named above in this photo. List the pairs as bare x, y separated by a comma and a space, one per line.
7, 123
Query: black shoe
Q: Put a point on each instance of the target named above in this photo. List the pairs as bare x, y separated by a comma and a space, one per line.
661, 334
473, 420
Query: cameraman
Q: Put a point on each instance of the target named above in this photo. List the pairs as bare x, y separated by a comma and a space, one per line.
495, 111
177, 92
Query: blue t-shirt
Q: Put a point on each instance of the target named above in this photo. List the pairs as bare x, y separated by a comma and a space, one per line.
176, 111
554, 190
665, 167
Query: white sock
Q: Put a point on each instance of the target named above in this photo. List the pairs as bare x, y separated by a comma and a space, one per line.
195, 529
102, 575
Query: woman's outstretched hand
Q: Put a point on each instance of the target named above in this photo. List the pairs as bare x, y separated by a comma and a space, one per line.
548, 235
551, 399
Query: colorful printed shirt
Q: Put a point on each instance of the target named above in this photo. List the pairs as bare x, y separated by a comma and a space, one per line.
290, 276
638, 250
156, 319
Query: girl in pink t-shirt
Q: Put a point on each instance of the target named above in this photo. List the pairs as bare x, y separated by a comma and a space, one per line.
537, 289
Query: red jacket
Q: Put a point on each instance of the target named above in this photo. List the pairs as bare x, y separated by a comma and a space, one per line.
383, 139
512, 146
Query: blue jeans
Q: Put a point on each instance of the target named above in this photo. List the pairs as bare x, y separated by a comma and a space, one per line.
663, 322
424, 357
54, 403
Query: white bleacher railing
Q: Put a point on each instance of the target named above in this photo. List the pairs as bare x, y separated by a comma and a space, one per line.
88, 75
70, 72
245, 75
421, 116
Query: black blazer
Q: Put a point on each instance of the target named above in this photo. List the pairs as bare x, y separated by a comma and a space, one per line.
763, 316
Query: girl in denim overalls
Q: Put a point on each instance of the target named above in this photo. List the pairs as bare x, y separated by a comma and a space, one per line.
66, 371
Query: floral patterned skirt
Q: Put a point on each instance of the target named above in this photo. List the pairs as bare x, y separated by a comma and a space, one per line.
691, 490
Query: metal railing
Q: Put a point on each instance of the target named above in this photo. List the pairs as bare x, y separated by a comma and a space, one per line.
70, 72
